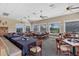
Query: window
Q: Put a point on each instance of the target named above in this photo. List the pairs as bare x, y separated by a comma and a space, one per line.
19, 28
36, 28
43, 28
55, 28
28, 28
72, 26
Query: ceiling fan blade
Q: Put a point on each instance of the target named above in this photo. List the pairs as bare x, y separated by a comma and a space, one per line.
75, 8
43, 17
72, 7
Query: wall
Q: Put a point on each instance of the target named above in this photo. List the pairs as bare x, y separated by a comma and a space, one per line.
60, 19
11, 23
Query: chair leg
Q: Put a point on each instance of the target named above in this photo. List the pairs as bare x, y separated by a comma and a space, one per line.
58, 51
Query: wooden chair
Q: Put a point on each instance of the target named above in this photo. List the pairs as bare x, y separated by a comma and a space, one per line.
62, 48
77, 50
46, 35
67, 35
36, 50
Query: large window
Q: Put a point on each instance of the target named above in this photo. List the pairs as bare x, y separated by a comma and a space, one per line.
19, 28
36, 28
72, 26
43, 28
54, 28
27, 28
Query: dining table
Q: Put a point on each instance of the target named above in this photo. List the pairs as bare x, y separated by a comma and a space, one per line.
39, 34
72, 42
23, 42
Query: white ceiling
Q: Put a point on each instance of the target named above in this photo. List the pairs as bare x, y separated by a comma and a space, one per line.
21, 10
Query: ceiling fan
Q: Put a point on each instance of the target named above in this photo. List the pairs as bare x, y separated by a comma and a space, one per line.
72, 7
41, 16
